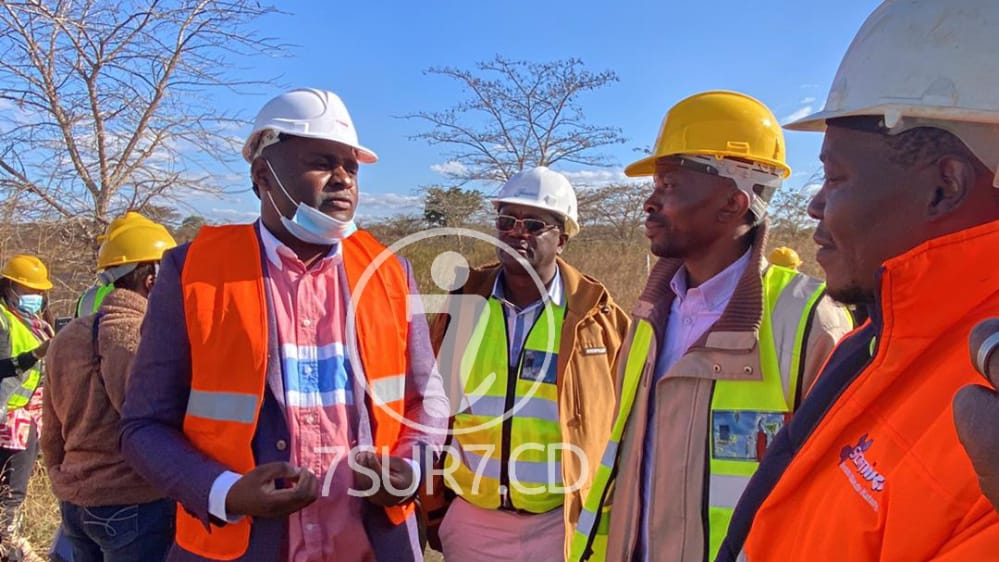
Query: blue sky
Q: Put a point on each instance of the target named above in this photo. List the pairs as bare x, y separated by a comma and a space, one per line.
373, 54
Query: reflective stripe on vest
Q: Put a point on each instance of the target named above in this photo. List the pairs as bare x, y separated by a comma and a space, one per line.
227, 324
745, 416
589, 541
91, 300
22, 339
789, 299
501, 460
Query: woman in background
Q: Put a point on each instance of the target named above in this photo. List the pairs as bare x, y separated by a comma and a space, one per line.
24, 339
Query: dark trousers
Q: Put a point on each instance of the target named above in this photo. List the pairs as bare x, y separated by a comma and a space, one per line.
119, 533
17, 467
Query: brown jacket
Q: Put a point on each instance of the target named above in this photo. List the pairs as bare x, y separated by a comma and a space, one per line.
592, 333
82, 410
729, 350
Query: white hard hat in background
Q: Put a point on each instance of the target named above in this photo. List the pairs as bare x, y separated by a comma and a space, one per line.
542, 188
309, 113
923, 63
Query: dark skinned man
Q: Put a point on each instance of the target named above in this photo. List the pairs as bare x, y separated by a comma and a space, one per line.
288, 425
724, 346
871, 467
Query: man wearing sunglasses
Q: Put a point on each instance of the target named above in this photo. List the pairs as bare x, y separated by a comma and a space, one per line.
724, 344
537, 383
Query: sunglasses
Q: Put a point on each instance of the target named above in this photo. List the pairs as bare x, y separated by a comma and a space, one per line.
506, 223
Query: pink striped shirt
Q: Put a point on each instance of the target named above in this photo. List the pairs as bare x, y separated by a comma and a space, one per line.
309, 311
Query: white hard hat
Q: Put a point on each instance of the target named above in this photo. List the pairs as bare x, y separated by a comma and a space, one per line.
542, 188
309, 113
923, 63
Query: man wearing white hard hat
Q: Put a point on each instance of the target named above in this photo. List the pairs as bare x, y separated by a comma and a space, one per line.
538, 382
871, 467
725, 344
281, 393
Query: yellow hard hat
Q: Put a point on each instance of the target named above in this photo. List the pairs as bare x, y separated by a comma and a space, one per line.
27, 270
133, 239
718, 124
785, 257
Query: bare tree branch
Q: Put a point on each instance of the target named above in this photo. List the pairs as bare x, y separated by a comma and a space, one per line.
107, 105
518, 114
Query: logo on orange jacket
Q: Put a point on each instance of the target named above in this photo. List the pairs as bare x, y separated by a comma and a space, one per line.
861, 472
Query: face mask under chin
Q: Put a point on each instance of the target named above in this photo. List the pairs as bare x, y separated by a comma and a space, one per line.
308, 224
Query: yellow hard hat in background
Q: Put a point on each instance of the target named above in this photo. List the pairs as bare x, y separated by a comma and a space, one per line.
27, 270
785, 257
719, 124
133, 239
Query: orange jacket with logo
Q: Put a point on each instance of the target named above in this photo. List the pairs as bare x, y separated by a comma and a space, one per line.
871, 467
227, 327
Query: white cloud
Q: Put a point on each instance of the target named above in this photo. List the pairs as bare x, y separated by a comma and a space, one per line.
596, 177
803, 112
808, 100
231, 215
380, 205
449, 168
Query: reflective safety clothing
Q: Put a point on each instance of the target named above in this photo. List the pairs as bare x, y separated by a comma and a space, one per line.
592, 331
716, 410
227, 324
91, 300
759, 406
871, 468
22, 339
503, 454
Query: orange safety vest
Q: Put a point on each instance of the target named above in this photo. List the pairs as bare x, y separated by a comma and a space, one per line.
227, 325
882, 476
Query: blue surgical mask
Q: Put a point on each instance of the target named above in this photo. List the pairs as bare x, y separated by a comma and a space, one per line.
32, 304
310, 225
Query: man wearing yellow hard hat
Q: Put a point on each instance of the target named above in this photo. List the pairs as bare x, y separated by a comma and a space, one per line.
723, 346
119, 257
88, 367
785, 257
24, 336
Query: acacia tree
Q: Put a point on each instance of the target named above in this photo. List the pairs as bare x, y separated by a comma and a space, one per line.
451, 207
105, 105
518, 114
615, 211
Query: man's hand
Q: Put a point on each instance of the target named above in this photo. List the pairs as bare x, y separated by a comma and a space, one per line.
40, 351
400, 479
259, 493
976, 415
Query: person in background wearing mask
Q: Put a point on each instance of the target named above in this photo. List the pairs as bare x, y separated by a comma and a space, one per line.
279, 368
24, 340
109, 513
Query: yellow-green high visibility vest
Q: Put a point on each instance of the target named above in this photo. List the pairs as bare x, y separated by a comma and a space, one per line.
745, 415
589, 541
506, 450
91, 300
22, 339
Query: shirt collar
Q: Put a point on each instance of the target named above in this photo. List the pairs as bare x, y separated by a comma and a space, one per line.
716, 291
555, 292
275, 250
